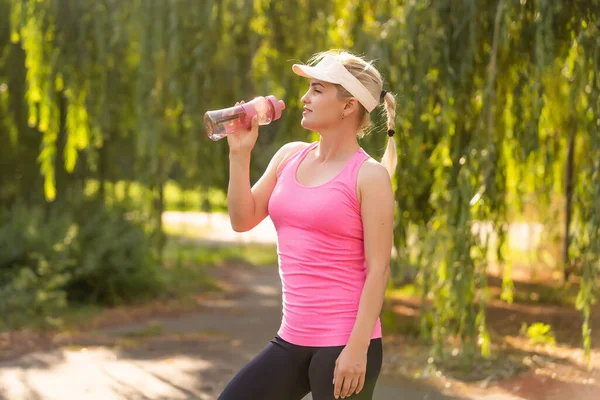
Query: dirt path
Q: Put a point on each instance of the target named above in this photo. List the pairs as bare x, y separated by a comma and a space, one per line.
192, 357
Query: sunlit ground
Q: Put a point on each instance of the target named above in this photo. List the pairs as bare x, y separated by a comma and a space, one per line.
520, 344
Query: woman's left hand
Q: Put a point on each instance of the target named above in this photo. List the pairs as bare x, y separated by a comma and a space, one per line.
349, 373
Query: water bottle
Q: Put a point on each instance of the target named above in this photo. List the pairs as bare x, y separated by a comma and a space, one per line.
220, 123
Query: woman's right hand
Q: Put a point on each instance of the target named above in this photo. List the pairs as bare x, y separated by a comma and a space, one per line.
242, 141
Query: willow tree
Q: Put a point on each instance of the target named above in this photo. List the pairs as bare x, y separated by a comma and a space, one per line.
490, 95
497, 102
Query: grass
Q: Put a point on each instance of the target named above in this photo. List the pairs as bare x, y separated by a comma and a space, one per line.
191, 246
409, 290
186, 262
183, 252
539, 293
77, 314
176, 198
183, 232
394, 323
182, 279
528, 293
150, 330
66, 319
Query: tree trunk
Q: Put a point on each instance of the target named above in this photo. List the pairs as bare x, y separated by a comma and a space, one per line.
569, 184
159, 207
102, 171
60, 173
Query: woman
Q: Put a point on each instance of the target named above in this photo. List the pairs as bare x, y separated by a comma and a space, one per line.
333, 208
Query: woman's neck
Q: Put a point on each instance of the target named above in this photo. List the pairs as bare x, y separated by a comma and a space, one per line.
335, 146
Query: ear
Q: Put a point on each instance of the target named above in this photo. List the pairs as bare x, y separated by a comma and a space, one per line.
350, 106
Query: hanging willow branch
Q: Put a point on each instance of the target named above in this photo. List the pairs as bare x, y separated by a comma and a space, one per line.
481, 86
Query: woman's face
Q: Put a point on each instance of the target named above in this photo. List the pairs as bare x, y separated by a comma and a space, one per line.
322, 108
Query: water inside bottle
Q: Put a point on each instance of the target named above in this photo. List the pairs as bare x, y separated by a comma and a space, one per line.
219, 124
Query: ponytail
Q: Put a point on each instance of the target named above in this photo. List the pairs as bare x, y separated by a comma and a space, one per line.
372, 81
390, 157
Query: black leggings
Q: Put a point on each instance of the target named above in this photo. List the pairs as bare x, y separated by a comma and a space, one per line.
284, 371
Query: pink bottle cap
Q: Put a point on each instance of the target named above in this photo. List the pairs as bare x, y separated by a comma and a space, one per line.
278, 106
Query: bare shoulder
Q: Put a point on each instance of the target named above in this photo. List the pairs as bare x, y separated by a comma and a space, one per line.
291, 147
373, 179
286, 151
373, 174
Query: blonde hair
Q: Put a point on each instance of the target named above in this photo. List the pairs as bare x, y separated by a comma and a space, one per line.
371, 79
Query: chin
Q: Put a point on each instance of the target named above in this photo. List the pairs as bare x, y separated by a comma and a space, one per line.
311, 124
306, 124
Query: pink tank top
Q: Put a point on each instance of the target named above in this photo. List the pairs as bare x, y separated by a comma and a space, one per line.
321, 254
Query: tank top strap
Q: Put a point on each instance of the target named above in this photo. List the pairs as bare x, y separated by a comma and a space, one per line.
350, 173
292, 161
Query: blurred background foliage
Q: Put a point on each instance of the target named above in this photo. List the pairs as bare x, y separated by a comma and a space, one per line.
101, 105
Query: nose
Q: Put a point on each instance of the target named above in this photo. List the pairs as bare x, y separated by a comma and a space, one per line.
305, 99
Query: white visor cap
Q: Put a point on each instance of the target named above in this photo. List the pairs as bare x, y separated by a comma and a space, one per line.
331, 70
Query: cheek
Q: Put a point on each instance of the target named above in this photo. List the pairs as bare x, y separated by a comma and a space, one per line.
327, 116
326, 110
323, 115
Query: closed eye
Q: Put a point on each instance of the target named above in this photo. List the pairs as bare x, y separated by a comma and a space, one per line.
314, 85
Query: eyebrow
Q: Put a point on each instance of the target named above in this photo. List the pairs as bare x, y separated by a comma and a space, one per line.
317, 83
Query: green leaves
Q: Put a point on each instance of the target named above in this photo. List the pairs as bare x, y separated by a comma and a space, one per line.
85, 253
539, 334
488, 93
